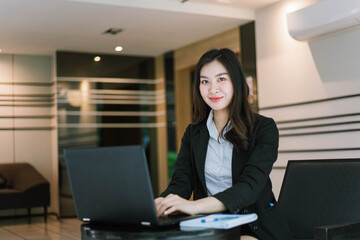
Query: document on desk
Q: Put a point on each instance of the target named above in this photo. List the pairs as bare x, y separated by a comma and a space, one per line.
219, 221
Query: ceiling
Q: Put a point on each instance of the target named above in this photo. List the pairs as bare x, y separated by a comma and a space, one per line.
149, 27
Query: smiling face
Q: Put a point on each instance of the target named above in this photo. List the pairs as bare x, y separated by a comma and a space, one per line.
216, 87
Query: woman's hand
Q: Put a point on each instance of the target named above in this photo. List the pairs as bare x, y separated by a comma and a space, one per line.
173, 203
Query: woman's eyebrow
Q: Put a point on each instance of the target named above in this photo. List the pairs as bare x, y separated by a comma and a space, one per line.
217, 75
224, 73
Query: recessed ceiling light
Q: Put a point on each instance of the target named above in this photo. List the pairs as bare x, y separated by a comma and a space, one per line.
97, 59
119, 48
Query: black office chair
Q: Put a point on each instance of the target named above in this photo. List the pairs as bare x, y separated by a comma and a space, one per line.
321, 198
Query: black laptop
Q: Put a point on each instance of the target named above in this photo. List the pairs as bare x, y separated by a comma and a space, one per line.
111, 185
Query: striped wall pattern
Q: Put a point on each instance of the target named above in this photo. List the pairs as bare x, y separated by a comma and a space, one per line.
26, 102
324, 128
26, 111
86, 105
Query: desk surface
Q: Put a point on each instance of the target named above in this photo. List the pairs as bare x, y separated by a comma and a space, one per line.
92, 232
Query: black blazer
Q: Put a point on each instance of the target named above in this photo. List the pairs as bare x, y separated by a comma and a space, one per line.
251, 190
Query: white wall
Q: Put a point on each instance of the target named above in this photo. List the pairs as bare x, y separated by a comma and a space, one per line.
27, 117
311, 89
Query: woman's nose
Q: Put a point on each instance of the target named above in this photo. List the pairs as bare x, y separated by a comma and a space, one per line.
213, 88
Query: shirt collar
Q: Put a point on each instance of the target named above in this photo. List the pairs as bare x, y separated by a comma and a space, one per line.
213, 132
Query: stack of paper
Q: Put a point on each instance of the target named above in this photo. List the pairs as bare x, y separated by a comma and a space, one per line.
220, 221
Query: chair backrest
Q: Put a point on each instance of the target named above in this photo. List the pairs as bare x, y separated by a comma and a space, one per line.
21, 176
320, 192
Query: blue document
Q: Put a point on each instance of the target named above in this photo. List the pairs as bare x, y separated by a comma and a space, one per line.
220, 221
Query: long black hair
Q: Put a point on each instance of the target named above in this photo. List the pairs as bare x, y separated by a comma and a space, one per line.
241, 115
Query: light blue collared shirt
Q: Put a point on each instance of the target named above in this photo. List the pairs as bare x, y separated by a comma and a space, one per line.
218, 174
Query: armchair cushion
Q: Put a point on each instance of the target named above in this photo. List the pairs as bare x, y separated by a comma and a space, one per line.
3, 181
26, 187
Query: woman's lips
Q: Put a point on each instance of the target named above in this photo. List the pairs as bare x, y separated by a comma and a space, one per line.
215, 99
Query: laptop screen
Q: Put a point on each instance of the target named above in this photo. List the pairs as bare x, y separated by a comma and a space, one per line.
111, 184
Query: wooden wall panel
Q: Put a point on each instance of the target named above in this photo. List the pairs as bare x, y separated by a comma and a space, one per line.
159, 167
188, 56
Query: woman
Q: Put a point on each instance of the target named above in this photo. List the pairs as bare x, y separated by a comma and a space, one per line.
227, 153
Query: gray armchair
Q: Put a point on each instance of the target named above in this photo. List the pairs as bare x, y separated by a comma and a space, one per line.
321, 199
24, 187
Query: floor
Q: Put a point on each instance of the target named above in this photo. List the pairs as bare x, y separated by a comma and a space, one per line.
54, 229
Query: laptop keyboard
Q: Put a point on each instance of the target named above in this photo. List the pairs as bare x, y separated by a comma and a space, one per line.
173, 219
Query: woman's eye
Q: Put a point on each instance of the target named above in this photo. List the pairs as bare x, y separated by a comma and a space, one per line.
204, 81
221, 79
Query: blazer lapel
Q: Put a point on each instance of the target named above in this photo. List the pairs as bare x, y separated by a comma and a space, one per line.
200, 143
